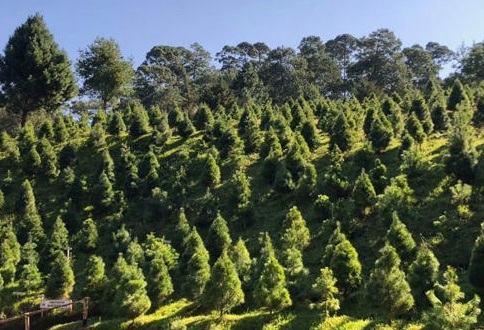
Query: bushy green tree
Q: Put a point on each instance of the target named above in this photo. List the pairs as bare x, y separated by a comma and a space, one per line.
401, 239
380, 134
476, 264
105, 74
270, 291
327, 292
242, 261
49, 159
60, 282
218, 238
87, 238
59, 237
30, 221
462, 158
364, 194
130, 298
224, 289
421, 110
342, 135
448, 311
116, 125
139, 121
456, 96
10, 253
34, 73
203, 118
346, 266
415, 129
94, 281
296, 233
211, 172
422, 275
388, 288
196, 268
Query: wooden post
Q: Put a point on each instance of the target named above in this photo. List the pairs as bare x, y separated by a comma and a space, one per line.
85, 309
27, 321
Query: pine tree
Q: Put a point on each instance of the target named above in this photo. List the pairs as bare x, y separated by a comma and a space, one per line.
35, 74
218, 238
108, 165
95, 281
341, 134
32, 163
61, 279
401, 239
378, 176
160, 285
327, 292
196, 268
30, 278
296, 233
415, 128
476, 264
346, 266
364, 193
59, 238
116, 124
103, 194
211, 172
49, 159
448, 311
30, 221
310, 133
60, 130
239, 194
336, 237
182, 229
462, 158
380, 134
185, 126
422, 275
130, 298
271, 291
421, 110
203, 118
10, 253
87, 238
224, 289
387, 286
456, 96
440, 115
46, 130
242, 261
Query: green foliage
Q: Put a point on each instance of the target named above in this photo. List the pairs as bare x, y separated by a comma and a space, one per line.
380, 134
211, 174
448, 311
346, 266
327, 292
476, 264
203, 118
30, 222
242, 261
130, 298
139, 121
364, 193
224, 289
342, 134
456, 96
218, 238
61, 278
196, 268
35, 74
387, 287
399, 237
271, 291
105, 74
93, 280
421, 110
422, 275
59, 238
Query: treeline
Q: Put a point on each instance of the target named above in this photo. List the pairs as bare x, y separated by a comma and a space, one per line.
327, 202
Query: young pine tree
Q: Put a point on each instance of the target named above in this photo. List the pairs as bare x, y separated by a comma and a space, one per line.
270, 291
387, 287
448, 311
224, 289
242, 261
476, 264
61, 278
401, 239
196, 268
364, 194
327, 292
218, 238
211, 173
30, 221
346, 266
422, 275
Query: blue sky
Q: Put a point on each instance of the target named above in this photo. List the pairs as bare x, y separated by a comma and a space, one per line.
138, 25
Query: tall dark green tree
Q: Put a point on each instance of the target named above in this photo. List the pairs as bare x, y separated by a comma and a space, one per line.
60, 282
224, 289
218, 238
34, 73
387, 287
476, 264
105, 74
346, 266
10, 253
30, 221
401, 239
422, 275
327, 292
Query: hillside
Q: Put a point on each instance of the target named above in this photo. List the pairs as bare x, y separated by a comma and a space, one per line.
102, 186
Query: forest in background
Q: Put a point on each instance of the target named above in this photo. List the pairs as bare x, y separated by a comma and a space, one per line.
344, 178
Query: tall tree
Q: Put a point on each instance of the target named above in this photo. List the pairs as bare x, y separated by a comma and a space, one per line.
61, 278
218, 238
224, 290
387, 287
422, 275
106, 75
327, 291
34, 73
476, 264
30, 221
400, 238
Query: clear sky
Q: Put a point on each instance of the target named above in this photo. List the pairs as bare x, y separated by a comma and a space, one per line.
138, 25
